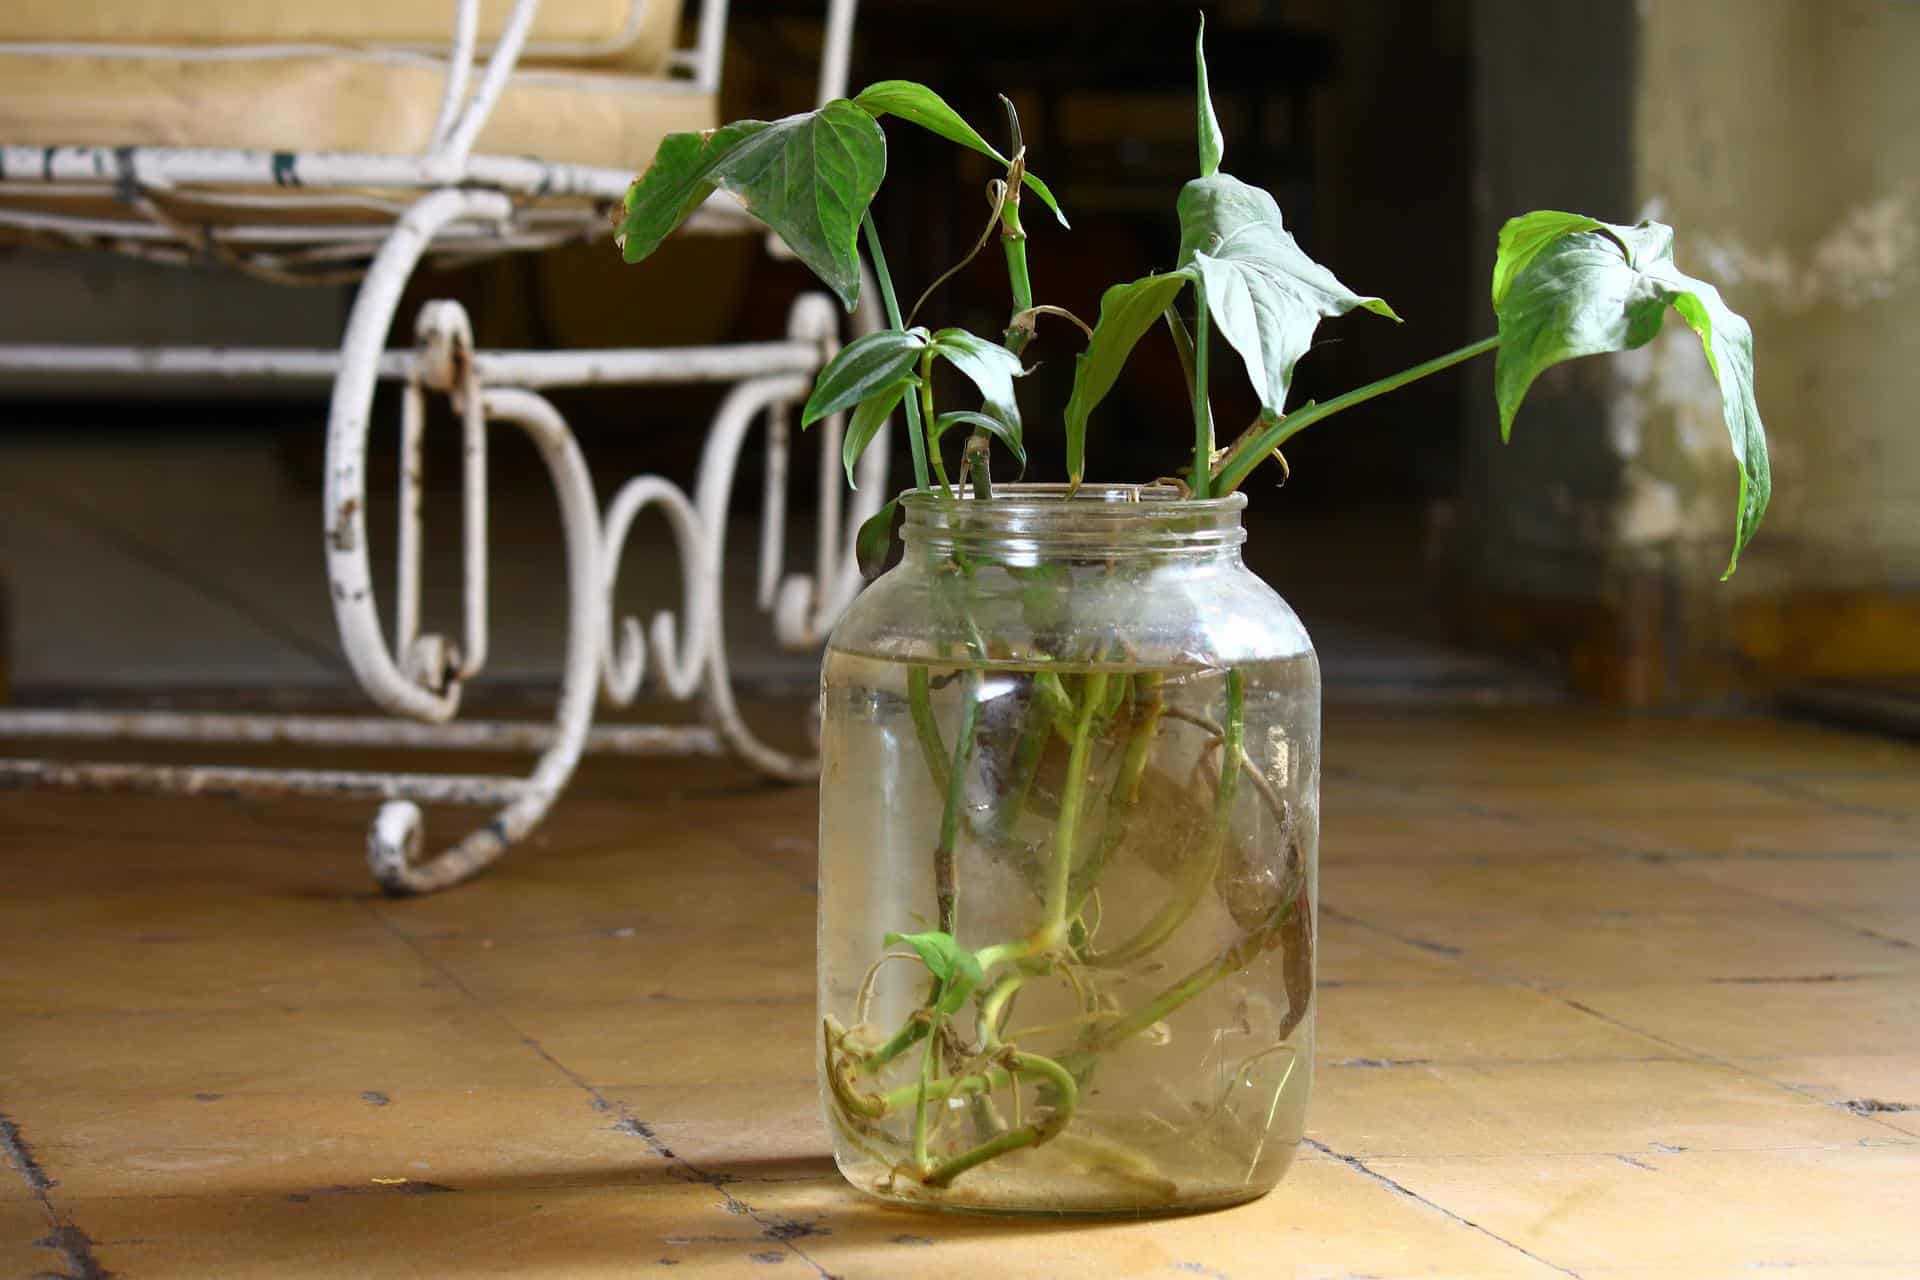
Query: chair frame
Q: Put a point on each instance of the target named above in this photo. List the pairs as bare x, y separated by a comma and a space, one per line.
452, 204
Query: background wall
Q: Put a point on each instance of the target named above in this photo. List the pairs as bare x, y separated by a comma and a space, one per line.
1782, 140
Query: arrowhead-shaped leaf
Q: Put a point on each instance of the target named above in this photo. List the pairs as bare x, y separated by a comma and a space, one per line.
809, 177
1586, 288
864, 366
1522, 239
1266, 295
1127, 311
867, 420
990, 366
920, 105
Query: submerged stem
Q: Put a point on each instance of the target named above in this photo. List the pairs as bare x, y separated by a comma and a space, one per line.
1126, 789
920, 1158
1036, 728
1027, 1135
1175, 911
925, 727
945, 884
1066, 831
1232, 960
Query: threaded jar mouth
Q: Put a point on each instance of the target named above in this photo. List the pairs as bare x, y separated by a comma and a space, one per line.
1094, 522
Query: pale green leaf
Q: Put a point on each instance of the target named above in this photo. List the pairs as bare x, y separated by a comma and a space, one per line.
1127, 311
1522, 238
1590, 291
917, 104
1212, 146
809, 177
1265, 294
863, 367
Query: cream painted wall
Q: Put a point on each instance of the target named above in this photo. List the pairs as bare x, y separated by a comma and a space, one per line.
1782, 139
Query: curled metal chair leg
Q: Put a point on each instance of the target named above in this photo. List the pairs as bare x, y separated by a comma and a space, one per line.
394, 844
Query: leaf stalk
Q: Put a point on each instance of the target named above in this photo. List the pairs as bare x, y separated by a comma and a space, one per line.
1252, 449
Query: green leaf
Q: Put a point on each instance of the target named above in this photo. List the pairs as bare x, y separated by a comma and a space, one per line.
1009, 433
874, 543
1587, 291
1522, 239
990, 366
866, 365
1212, 145
917, 104
1127, 311
809, 177
952, 965
1265, 294
867, 419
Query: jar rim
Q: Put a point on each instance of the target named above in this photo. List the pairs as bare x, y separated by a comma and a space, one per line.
1092, 521
1155, 500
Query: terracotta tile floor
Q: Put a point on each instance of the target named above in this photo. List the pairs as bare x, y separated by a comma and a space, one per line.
1602, 996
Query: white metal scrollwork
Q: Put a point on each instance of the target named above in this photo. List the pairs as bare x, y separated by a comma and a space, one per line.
450, 202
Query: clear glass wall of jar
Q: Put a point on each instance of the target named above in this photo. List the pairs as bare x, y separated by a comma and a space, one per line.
1068, 848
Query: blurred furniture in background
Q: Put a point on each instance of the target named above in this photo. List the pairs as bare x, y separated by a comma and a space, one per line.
312, 144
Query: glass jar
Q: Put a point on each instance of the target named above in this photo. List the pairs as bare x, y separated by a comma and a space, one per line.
1069, 808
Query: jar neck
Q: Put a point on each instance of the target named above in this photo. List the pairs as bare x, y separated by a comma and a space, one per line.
1030, 524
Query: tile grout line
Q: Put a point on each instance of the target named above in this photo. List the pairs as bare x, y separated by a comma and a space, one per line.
63, 1237
1355, 1163
779, 1230
1727, 1064
1687, 1054
1765, 781
1831, 917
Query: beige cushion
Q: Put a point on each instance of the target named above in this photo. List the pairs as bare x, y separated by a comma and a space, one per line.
634, 33
338, 102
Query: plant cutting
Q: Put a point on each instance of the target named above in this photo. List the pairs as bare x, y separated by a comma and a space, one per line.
1070, 744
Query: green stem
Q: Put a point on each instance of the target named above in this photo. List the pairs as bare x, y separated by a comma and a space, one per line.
926, 728
1250, 451
1126, 790
1134, 764
945, 884
995, 1005
1235, 958
893, 318
920, 1158
939, 1090
1013, 239
1027, 1135
1175, 911
1049, 689
926, 416
1202, 411
1035, 729
1066, 831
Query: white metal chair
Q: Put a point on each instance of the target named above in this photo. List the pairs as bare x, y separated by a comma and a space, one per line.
373, 214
